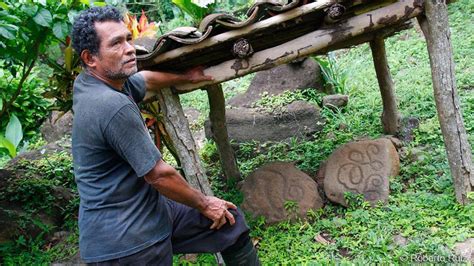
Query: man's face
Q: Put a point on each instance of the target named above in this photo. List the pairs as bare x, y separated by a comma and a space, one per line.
116, 57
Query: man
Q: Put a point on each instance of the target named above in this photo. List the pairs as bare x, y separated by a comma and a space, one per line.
135, 208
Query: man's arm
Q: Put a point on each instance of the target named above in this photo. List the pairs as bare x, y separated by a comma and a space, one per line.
155, 80
171, 184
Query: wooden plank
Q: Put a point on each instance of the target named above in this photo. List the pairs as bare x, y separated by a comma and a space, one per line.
311, 43
435, 27
390, 115
219, 132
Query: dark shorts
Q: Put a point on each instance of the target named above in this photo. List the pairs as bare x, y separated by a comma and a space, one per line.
191, 234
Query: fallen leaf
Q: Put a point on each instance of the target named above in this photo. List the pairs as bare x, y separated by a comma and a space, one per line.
320, 239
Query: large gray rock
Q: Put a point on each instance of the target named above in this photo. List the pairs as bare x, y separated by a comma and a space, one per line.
14, 221
362, 167
268, 188
48, 149
294, 76
298, 119
57, 126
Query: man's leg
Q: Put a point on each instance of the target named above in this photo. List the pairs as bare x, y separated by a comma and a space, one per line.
191, 234
158, 254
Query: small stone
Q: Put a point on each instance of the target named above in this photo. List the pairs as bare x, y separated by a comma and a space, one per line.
190, 258
465, 250
399, 240
396, 142
342, 126
407, 128
335, 101
362, 167
57, 126
268, 189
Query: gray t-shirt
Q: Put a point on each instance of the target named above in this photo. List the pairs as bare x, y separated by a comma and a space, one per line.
119, 214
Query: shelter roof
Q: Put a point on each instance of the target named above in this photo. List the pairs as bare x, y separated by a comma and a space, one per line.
267, 23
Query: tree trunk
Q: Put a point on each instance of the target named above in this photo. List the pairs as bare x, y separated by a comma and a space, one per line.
436, 30
390, 115
219, 132
177, 127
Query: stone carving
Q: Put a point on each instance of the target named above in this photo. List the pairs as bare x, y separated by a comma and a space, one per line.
268, 188
294, 76
298, 119
362, 167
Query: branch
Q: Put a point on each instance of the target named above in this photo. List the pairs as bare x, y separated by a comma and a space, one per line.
25, 73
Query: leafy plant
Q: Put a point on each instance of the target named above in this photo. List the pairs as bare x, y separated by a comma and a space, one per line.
30, 106
12, 137
291, 207
27, 29
63, 75
335, 78
197, 9
271, 103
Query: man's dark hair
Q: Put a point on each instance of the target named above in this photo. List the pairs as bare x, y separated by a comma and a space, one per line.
84, 34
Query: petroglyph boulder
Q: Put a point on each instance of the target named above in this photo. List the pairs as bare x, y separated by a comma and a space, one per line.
362, 167
275, 185
294, 76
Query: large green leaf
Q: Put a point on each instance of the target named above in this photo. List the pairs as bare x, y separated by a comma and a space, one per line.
195, 11
4, 6
1, 103
5, 143
99, 3
14, 132
6, 34
8, 31
30, 10
60, 30
43, 18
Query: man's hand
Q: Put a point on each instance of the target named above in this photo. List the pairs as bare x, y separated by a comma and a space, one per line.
171, 184
196, 75
217, 210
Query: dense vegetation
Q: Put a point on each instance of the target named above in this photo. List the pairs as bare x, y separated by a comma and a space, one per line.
421, 207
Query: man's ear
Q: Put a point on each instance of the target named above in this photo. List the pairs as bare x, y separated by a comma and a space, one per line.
88, 58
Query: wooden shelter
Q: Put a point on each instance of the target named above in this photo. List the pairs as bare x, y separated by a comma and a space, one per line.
273, 34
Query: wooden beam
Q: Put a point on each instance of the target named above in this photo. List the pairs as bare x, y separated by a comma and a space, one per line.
178, 129
367, 37
435, 27
390, 115
219, 132
311, 43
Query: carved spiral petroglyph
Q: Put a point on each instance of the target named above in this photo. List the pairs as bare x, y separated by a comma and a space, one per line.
353, 177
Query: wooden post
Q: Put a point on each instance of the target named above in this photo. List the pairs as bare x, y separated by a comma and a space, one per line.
390, 115
436, 30
219, 132
178, 129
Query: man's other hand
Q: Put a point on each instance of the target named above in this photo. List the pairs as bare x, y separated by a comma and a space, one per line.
196, 75
217, 210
